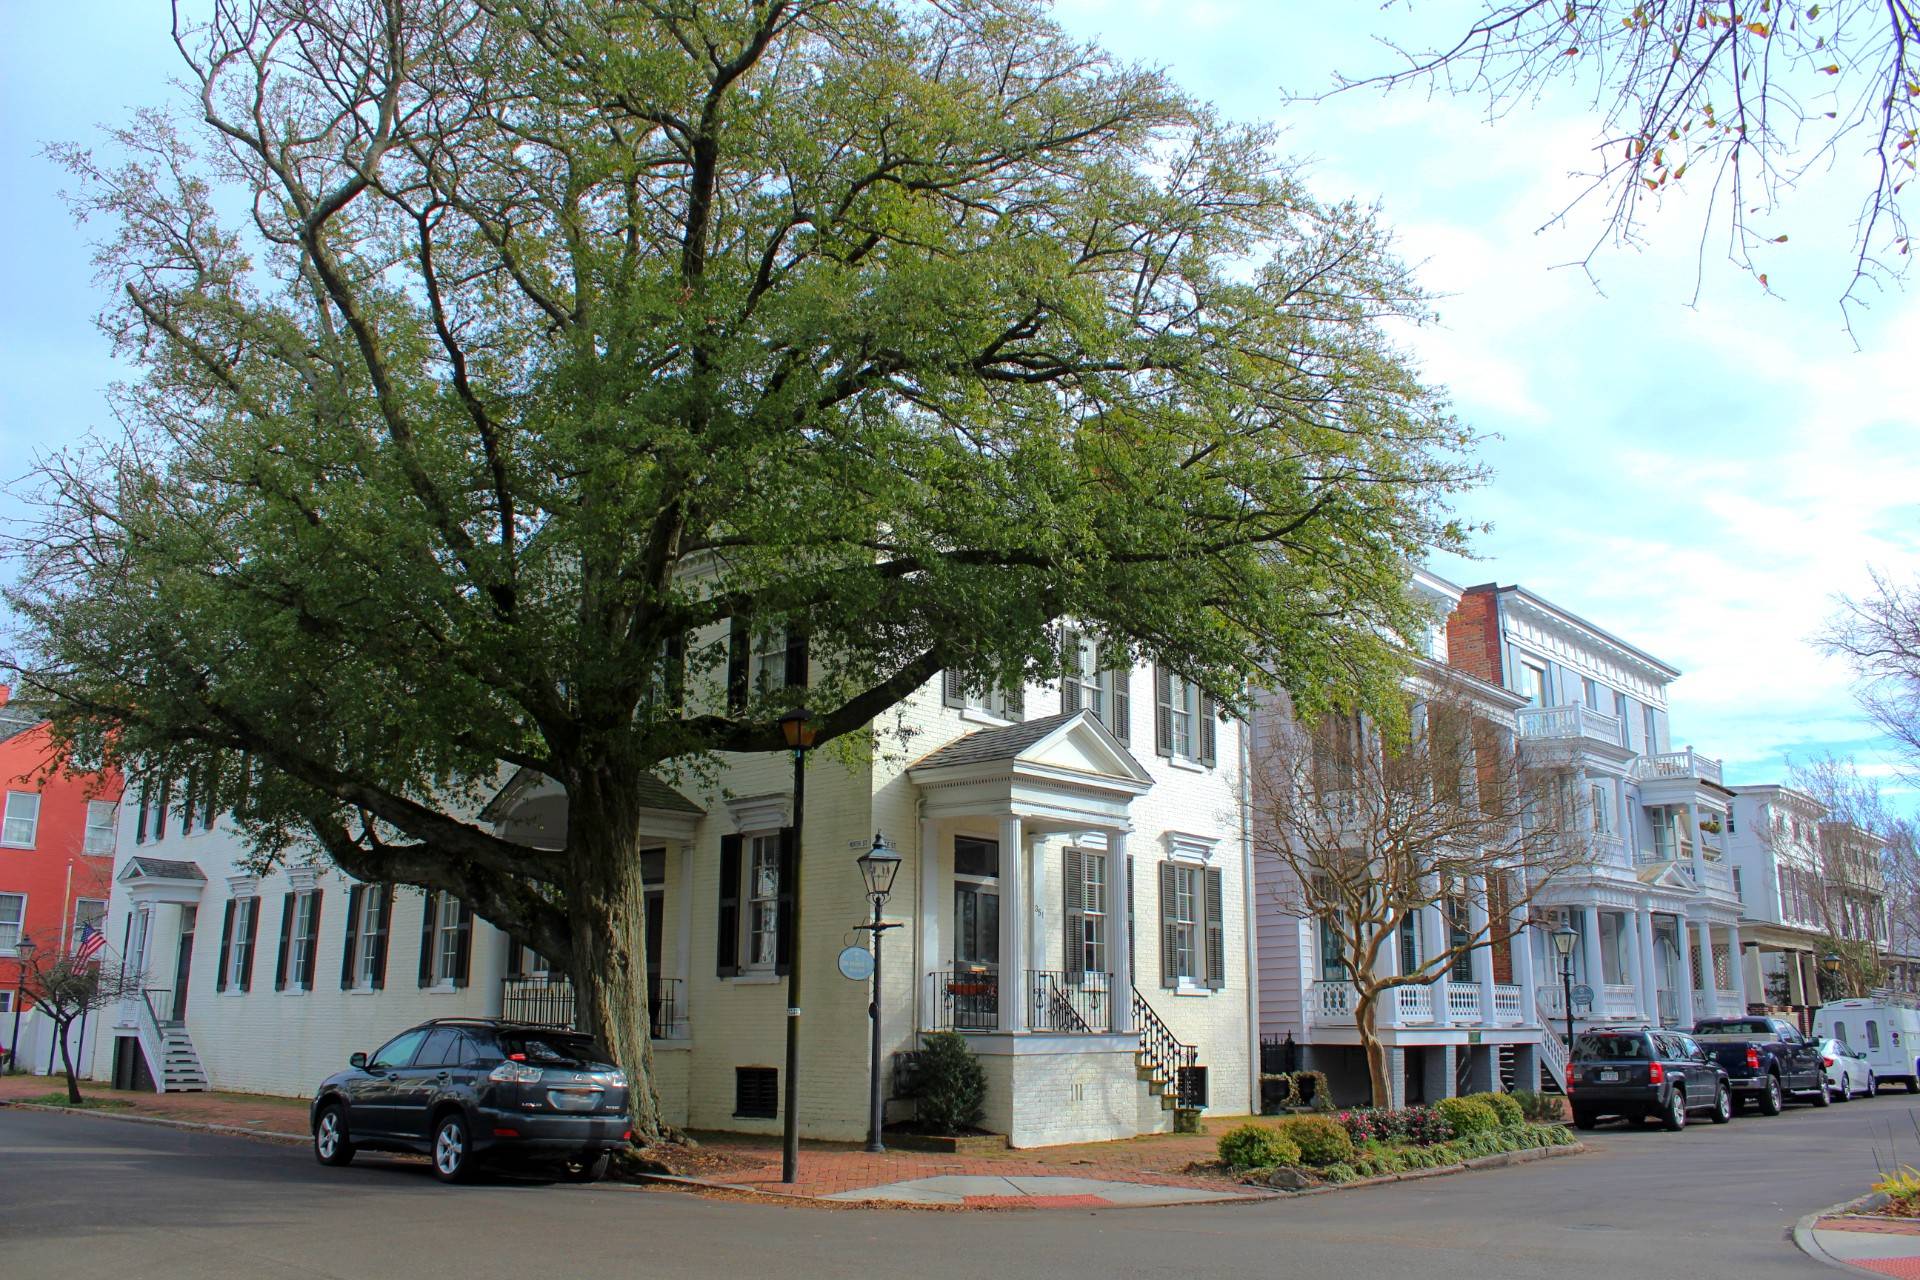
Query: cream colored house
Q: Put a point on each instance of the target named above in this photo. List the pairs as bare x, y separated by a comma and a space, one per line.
1072, 900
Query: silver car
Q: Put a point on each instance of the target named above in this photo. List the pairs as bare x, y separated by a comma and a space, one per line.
1848, 1074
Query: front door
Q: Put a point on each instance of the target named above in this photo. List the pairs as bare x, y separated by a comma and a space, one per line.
653, 875
183, 962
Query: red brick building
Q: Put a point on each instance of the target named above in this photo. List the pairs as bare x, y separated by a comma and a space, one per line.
56, 845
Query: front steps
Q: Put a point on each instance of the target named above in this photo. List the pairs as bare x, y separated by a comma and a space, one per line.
180, 1070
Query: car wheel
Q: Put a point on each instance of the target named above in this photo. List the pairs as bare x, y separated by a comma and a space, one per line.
589, 1170
1846, 1088
1675, 1118
1913, 1084
330, 1144
1723, 1106
1824, 1094
452, 1149
1772, 1100
1873, 1086
1584, 1119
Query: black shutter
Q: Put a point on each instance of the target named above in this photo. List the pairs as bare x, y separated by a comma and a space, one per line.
287, 904
383, 932
516, 957
140, 821
463, 952
727, 950
1133, 951
226, 948
253, 934
739, 653
1162, 710
1209, 721
307, 965
673, 681
187, 810
952, 692
1016, 701
160, 818
783, 912
1069, 672
429, 914
1216, 932
1169, 946
1073, 883
1121, 721
796, 658
354, 896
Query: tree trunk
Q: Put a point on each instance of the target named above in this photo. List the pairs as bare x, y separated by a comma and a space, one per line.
606, 908
66, 1061
1378, 1081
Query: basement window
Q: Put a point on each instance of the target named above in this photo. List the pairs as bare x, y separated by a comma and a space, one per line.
756, 1093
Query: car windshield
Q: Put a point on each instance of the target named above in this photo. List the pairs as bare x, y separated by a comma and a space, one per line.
1610, 1046
553, 1049
1734, 1027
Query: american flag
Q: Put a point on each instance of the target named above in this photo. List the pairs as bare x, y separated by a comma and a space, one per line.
92, 941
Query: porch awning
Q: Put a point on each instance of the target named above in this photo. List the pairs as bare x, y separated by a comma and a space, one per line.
1068, 768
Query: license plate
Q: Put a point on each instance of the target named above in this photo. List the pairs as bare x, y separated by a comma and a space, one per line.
573, 1099
1608, 1077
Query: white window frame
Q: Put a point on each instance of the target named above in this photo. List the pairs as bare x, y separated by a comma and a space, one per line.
760, 914
298, 940
446, 940
99, 922
1535, 673
1094, 681
11, 946
240, 949
14, 821
366, 960
1189, 890
6, 1001
1600, 796
1095, 888
1183, 718
993, 702
102, 817
767, 664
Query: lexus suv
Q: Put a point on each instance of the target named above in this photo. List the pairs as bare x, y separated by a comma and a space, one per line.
464, 1090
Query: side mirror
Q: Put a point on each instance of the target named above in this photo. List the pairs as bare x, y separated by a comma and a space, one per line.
358, 1062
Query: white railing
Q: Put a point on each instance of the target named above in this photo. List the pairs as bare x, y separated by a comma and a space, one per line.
1619, 1000
1463, 1003
1611, 851
1333, 1001
1676, 764
1413, 1004
1667, 1003
1552, 1002
1506, 1003
1555, 1053
1722, 1004
1713, 875
1569, 722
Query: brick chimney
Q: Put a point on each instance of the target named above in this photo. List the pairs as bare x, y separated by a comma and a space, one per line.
1473, 634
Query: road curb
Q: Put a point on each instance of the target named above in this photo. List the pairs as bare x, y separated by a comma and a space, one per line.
1807, 1243
1500, 1160
197, 1126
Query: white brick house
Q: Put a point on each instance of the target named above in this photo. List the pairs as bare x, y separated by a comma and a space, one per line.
1073, 887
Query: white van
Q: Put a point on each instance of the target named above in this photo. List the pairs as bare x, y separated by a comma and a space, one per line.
1886, 1034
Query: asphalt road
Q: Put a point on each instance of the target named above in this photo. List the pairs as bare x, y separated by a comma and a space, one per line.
96, 1196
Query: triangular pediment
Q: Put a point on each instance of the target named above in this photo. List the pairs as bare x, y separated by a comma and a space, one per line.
1083, 745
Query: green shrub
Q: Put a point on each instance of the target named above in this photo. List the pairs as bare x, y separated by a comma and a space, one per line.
950, 1086
1339, 1173
1539, 1108
1322, 1140
1506, 1110
1468, 1116
1257, 1146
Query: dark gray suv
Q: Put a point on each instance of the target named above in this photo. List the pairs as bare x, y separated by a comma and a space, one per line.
1645, 1075
464, 1090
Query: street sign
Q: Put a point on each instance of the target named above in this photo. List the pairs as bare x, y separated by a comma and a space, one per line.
1583, 994
856, 964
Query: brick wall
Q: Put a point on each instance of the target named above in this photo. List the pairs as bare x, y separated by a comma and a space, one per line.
1473, 634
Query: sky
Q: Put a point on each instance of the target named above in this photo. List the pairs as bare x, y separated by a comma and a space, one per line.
1703, 480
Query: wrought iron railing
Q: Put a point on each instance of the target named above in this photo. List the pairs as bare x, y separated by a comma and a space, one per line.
965, 998
1075, 1003
1167, 1060
548, 1002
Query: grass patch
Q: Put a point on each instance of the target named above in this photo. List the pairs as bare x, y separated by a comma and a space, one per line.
85, 1104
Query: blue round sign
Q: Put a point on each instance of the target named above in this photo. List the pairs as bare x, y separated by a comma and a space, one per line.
856, 963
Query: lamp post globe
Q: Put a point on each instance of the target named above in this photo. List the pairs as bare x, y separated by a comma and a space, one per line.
878, 866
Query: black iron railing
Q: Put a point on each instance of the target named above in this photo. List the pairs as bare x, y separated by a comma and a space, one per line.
965, 998
1167, 1059
1075, 1003
548, 1002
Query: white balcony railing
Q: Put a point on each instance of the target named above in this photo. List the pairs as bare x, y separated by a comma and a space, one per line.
1552, 1001
1713, 875
1463, 1004
1507, 1004
1676, 764
1414, 1004
1569, 722
1619, 1000
1722, 1004
1333, 1001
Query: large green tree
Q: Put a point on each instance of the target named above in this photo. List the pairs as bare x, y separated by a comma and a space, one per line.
495, 356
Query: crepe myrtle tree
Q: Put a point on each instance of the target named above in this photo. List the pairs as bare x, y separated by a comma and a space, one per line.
64, 990
1368, 824
505, 371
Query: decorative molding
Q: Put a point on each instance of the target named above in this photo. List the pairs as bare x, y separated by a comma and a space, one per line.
1188, 847
243, 886
760, 813
301, 879
1529, 627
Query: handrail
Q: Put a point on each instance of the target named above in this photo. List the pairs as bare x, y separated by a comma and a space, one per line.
146, 998
1165, 1055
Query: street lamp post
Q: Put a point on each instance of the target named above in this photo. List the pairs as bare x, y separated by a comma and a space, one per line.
23, 950
797, 728
1564, 940
878, 866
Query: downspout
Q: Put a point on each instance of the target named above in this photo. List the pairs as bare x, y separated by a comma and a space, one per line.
919, 900
1245, 735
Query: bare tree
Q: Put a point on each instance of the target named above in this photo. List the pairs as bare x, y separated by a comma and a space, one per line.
1879, 635
1748, 99
1373, 823
64, 989
1838, 875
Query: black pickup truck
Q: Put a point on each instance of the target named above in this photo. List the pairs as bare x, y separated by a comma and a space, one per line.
1766, 1060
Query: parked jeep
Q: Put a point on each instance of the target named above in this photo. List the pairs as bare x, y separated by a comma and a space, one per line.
1645, 1075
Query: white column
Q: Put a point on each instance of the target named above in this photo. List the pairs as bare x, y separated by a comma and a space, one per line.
1694, 838
1119, 945
1013, 926
1684, 931
1596, 976
931, 881
1482, 956
1737, 966
1387, 1012
1522, 948
1709, 984
1643, 962
1433, 924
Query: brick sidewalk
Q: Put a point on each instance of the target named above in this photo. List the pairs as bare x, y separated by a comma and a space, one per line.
263, 1112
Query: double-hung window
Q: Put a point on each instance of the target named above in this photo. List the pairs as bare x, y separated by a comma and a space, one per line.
245, 930
769, 658
1002, 703
1184, 926
1183, 718
1087, 908
369, 937
446, 940
1088, 680
1533, 683
88, 912
22, 819
1193, 952
300, 941
1602, 805
100, 819
13, 910
763, 901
